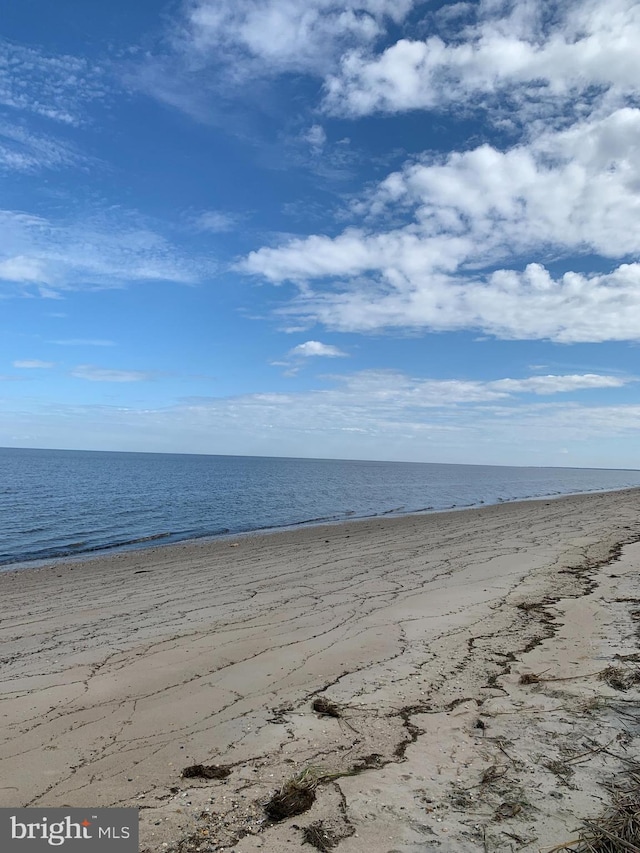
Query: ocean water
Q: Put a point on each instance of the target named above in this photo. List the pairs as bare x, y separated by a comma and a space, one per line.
61, 503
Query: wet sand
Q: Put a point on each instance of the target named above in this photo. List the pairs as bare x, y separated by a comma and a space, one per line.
120, 672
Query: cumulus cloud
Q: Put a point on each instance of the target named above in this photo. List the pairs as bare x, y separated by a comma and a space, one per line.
568, 193
507, 304
101, 374
218, 49
315, 348
275, 36
537, 54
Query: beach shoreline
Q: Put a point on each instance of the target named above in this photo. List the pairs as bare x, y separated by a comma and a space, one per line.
154, 541
121, 671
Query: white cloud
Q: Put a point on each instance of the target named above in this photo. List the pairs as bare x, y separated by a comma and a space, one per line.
316, 137
371, 414
512, 49
397, 392
275, 36
551, 384
94, 251
509, 305
84, 342
23, 269
54, 87
216, 221
26, 151
315, 348
568, 193
220, 48
101, 374
33, 364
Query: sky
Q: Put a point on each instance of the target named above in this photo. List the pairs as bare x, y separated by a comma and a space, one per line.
369, 229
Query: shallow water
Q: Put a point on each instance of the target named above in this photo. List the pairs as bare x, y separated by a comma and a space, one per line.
59, 503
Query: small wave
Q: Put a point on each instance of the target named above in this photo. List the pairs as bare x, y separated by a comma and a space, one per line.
390, 511
319, 520
147, 538
123, 543
76, 549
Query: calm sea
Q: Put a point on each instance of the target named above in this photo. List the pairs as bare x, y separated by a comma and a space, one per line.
60, 503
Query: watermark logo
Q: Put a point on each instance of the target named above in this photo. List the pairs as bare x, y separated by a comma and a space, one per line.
69, 830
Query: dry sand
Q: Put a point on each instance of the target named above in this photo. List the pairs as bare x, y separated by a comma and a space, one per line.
119, 672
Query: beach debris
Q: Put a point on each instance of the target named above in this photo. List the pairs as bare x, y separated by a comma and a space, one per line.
496, 771
634, 657
326, 835
562, 770
280, 714
529, 678
507, 810
618, 829
620, 677
206, 771
326, 708
320, 837
368, 762
298, 794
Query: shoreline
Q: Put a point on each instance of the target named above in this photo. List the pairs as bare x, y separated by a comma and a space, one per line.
140, 545
121, 671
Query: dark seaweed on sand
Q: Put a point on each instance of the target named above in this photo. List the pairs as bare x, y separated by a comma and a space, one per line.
298, 794
324, 706
206, 771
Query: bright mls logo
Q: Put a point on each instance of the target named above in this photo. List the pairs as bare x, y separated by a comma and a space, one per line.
70, 830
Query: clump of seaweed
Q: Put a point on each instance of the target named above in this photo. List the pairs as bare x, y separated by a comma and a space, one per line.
320, 837
292, 799
617, 830
326, 708
206, 771
298, 794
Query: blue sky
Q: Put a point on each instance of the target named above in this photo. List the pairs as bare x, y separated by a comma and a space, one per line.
377, 229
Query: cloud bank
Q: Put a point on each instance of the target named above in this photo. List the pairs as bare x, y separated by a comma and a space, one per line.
568, 193
537, 55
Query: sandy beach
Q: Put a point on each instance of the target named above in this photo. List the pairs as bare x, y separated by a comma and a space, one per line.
120, 672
